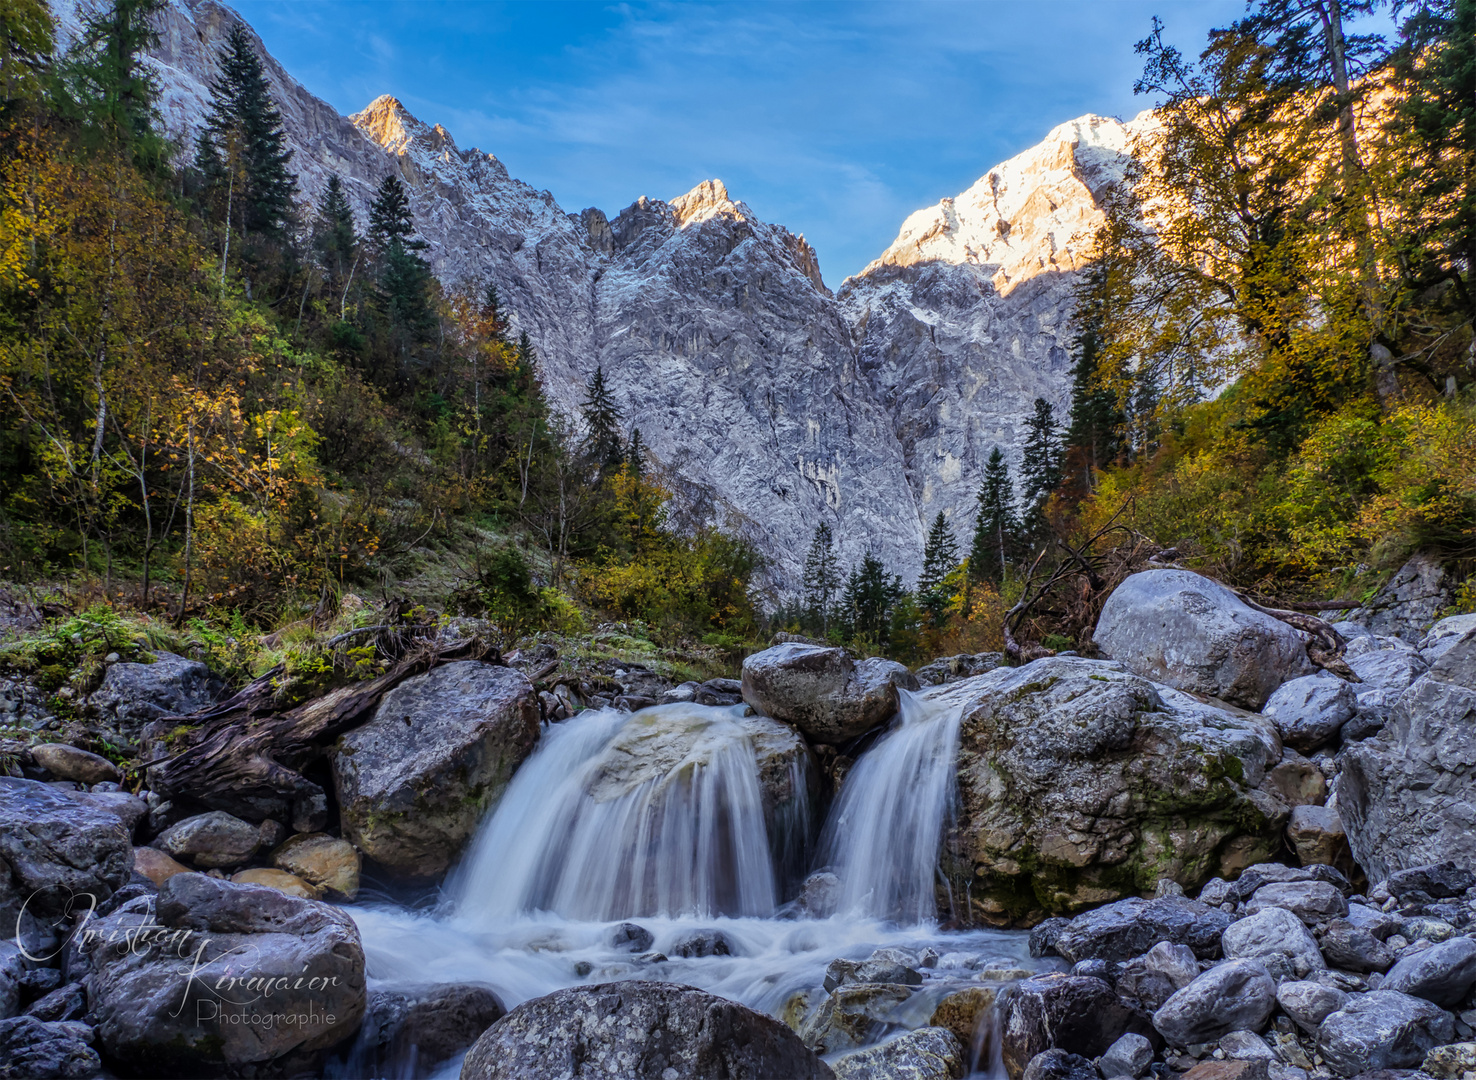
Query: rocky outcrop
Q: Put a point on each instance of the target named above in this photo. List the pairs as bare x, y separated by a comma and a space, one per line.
416, 779
1410, 601
131, 694
1181, 629
1311, 710
1080, 782
822, 691
640, 1030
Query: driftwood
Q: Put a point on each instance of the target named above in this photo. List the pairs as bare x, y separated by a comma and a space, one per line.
246, 757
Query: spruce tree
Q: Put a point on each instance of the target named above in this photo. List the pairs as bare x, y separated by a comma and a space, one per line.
635, 455
334, 236
391, 221
1040, 464
867, 601
1093, 437
603, 444
103, 84
822, 578
940, 557
404, 277
995, 526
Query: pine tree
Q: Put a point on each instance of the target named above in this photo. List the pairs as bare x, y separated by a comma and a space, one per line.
334, 236
1040, 465
603, 444
103, 84
391, 221
1093, 438
995, 525
867, 601
822, 578
404, 277
940, 558
244, 143
635, 455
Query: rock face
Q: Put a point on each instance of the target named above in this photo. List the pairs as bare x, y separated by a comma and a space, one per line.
822, 691
1179, 628
1407, 796
1409, 603
640, 1030
1081, 783
133, 694
233, 980
414, 781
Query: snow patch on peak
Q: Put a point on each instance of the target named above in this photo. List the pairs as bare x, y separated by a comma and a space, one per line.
705, 201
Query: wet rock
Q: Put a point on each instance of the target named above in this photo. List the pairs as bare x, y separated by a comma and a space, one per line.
283, 882
930, 1053
1438, 880
1310, 901
1406, 796
12, 978
1310, 710
1080, 783
1450, 1062
1247, 1046
953, 668
67, 1002
842, 972
1151, 979
427, 1026
131, 695
1276, 938
1128, 928
69, 763
1443, 635
416, 779
1296, 781
215, 1021
1408, 603
156, 866
1316, 834
1043, 936
54, 847
961, 1011
130, 809
1255, 877
1238, 1069
1384, 663
1309, 1003
1238, 995
788, 779
1383, 1029
35, 1048
853, 1016
1128, 1056
1346, 945
630, 937
323, 861
1058, 1011
704, 943
822, 691
1443, 973
211, 840
1181, 629
640, 1030
820, 895
1060, 1065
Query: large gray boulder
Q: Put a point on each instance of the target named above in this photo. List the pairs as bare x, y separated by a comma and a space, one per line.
226, 980
1238, 995
1309, 711
1070, 1012
639, 1031
930, 1053
1129, 928
1382, 1030
822, 691
417, 778
1443, 973
1443, 635
1276, 938
1081, 783
1407, 796
131, 695
210, 840
1383, 663
1178, 628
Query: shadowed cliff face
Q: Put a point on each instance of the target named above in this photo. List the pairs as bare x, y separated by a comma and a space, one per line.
783, 404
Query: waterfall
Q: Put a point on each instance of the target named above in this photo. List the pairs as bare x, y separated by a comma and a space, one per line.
883, 835
618, 815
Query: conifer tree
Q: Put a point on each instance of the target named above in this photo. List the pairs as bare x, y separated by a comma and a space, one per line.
995, 525
822, 577
1093, 438
404, 277
603, 444
334, 235
104, 85
27, 38
940, 558
390, 218
1040, 465
867, 601
635, 455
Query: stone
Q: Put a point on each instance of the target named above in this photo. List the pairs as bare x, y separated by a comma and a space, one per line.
156, 866
1383, 1029
1450, 1062
630, 937
1080, 783
1443, 973
854, 1015
35, 1048
13, 974
1365, 723
1311, 901
1151, 979
1236, 1069
1310, 710
701, 943
822, 691
1128, 928
283, 882
131, 695
130, 809
323, 861
1276, 938
1254, 877
961, 1012
1179, 628
1443, 635
67, 1002
1044, 1012
211, 840
929, 1053
56, 852
1296, 781
948, 669
1384, 663
1346, 945
1437, 880
213, 1020
1128, 1056
841, 972
1247, 1046
1236, 995
414, 782
1408, 603
1214, 892
1408, 796
426, 1026
1309, 1003
1316, 834
789, 783
1060, 1065
640, 1030
1043, 936
70, 763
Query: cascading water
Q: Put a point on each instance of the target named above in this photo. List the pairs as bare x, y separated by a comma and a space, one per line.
883, 835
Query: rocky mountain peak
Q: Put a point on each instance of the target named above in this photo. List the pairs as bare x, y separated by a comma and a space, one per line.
704, 201
386, 121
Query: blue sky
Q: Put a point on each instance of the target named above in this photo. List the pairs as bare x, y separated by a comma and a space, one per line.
836, 120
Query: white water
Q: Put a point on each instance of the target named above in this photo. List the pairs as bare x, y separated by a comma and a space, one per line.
883, 835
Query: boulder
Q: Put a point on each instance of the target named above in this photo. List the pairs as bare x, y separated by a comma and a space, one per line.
1309, 1003
842, 972
1450, 1062
13, 975
70, 763
1238, 995
1384, 663
789, 784
1443, 635
630, 937
1276, 938
223, 980
425, 1026
1311, 901
1443, 973
131, 695
1353, 948
640, 1031
31, 1048
211, 840
961, 1011
130, 809
156, 866
1254, 877
1247, 1046
1151, 979
1128, 1056
855, 1015
1178, 628
1438, 881
1058, 1011
58, 854
930, 1053
1129, 928
283, 882
1316, 834
1382, 1030
1296, 781
1407, 797
948, 669
1309, 711
322, 860
700, 943
1234, 1069
1411, 600
416, 779
1060, 1065
1081, 783
822, 691
67, 1002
